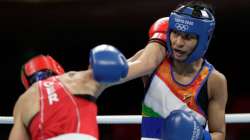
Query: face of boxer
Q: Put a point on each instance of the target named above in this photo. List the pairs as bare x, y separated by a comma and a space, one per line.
182, 44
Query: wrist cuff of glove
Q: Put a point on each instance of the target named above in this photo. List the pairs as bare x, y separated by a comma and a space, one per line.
159, 38
207, 136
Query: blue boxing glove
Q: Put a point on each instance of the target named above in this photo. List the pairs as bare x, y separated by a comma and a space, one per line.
181, 125
108, 64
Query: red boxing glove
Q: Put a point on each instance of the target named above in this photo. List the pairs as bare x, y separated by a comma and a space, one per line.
158, 31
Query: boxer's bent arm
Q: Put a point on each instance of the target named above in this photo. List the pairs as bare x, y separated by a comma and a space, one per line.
217, 105
18, 131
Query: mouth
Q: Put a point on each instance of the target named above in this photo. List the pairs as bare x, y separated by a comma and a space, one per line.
178, 53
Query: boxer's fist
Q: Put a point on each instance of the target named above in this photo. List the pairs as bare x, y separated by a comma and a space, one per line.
108, 64
181, 125
158, 31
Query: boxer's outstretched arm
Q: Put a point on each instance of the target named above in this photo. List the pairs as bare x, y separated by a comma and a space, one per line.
135, 56
144, 62
147, 62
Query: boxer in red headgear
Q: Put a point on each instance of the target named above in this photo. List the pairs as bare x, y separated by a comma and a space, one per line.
62, 107
39, 68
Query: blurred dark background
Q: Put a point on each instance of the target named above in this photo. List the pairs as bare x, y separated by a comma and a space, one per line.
68, 29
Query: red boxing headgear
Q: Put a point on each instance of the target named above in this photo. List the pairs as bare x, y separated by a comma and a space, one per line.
39, 68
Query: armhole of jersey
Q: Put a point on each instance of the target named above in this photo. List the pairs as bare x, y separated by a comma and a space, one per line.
86, 97
202, 97
68, 93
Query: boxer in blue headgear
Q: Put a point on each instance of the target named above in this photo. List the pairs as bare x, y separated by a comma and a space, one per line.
177, 76
201, 25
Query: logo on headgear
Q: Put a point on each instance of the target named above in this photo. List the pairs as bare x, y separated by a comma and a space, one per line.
181, 27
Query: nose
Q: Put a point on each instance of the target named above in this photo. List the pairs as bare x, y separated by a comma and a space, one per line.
179, 41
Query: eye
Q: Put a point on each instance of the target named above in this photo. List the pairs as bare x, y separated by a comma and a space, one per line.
190, 36
187, 36
176, 32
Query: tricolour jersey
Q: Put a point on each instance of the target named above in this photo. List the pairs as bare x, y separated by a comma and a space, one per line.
165, 94
61, 113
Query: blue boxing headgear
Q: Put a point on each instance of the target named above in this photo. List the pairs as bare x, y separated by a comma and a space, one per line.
202, 26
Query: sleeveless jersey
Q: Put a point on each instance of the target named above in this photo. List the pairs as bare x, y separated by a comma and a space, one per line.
61, 113
165, 94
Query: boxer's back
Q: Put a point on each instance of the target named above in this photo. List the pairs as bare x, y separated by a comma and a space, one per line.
60, 112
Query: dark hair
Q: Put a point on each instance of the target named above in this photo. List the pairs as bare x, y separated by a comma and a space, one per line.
198, 6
